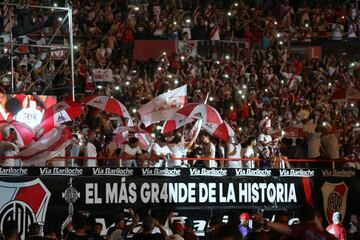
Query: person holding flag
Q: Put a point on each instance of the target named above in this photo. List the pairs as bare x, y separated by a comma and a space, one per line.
159, 152
179, 149
131, 150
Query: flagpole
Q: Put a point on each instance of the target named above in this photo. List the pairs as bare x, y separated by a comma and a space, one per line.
11, 53
71, 51
206, 99
198, 123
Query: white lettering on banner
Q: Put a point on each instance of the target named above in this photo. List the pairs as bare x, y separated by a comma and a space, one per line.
61, 171
120, 194
13, 171
161, 172
208, 172
145, 193
297, 173
203, 192
279, 192
92, 194
113, 172
253, 172
338, 173
190, 192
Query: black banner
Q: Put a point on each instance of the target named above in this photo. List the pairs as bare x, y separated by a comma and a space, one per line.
41, 194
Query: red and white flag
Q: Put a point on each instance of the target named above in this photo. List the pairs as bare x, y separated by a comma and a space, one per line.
163, 106
47, 147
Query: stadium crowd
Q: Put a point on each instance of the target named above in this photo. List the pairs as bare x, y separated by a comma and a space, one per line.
261, 91
238, 227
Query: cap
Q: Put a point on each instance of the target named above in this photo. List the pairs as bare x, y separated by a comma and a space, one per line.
245, 216
189, 222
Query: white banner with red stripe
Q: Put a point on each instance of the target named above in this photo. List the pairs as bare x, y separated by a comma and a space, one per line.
186, 48
102, 75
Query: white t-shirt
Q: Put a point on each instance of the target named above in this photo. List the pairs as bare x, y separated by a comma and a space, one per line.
263, 138
131, 151
337, 30
210, 150
90, 151
352, 31
116, 235
237, 154
158, 150
249, 153
178, 151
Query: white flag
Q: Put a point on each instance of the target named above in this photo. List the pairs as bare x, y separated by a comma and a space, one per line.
163, 106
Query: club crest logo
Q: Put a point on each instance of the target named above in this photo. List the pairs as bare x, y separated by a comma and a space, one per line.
334, 198
23, 202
